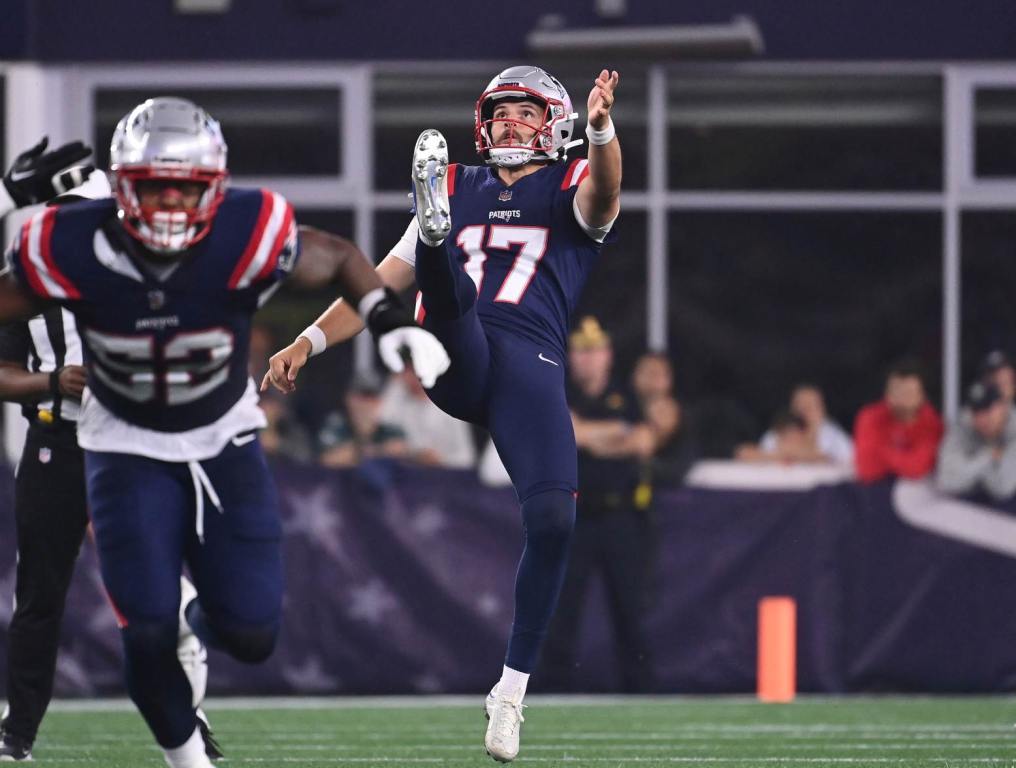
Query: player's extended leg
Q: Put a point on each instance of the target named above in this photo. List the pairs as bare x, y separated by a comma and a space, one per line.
139, 515
449, 294
51, 520
235, 554
532, 430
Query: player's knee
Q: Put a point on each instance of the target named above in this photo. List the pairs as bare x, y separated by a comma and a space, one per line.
249, 644
549, 518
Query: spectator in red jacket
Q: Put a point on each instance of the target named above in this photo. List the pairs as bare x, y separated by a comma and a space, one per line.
899, 435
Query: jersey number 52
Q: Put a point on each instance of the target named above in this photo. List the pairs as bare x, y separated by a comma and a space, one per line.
187, 367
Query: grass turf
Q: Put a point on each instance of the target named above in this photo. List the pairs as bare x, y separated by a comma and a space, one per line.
646, 733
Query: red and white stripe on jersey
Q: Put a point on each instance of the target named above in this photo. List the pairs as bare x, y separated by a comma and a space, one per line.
36, 253
273, 229
453, 169
418, 311
576, 172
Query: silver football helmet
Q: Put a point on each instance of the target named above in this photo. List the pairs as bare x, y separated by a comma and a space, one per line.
168, 139
553, 135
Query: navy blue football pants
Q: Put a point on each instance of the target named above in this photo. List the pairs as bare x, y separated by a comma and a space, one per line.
516, 389
144, 513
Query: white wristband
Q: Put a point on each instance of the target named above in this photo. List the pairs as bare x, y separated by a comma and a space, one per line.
599, 138
317, 339
369, 301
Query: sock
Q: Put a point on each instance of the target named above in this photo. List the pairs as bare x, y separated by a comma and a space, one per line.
190, 754
547, 519
512, 683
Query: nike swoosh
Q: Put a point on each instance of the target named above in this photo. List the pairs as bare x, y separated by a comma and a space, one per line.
546, 359
19, 175
243, 440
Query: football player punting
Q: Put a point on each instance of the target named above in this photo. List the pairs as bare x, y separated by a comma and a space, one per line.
500, 253
163, 280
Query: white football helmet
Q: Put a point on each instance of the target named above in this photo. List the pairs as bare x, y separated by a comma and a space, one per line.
168, 139
553, 135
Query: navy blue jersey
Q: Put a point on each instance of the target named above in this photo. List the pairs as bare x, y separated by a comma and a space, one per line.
171, 354
522, 246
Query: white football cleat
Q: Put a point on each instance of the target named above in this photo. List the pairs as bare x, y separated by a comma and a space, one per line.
430, 186
505, 726
190, 650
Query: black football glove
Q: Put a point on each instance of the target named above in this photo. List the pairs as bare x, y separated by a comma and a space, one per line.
388, 314
400, 339
37, 175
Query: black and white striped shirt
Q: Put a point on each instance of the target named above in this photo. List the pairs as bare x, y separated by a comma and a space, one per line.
43, 344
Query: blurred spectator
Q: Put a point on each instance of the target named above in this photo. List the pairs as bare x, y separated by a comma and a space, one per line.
979, 451
788, 441
432, 436
360, 434
899, 435
653, 377
997, 368
284, 436
826, 440
653, 381
612, 531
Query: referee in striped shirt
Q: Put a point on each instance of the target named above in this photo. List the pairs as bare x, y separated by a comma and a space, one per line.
41, 368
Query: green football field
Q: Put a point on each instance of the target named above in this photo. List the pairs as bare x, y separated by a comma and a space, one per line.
600, 733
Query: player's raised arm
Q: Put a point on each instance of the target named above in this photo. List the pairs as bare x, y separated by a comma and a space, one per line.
598, 196
327, 258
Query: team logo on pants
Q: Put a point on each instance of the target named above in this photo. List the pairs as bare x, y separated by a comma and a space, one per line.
45, 454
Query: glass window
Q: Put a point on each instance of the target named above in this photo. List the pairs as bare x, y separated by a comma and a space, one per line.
797, 132
995, 132
762, 300
616, 291
270, 131
407, 103
988, 286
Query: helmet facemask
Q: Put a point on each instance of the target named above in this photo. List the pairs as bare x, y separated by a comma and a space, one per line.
164, 230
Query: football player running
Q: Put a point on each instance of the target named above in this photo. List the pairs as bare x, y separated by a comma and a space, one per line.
163, 280
500, 253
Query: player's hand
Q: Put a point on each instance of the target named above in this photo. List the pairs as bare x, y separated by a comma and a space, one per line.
601, 99
397, 336
72, 380
285, 364
37, 175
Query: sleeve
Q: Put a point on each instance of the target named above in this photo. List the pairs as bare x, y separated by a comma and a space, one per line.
960, 471
867, 454
405, 249
1001, 481
15, 343
36, 264
574, 175
919, 459
272, 249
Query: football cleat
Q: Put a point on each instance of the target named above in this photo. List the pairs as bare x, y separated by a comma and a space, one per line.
212, 748
13, 749
430, 187
504, 727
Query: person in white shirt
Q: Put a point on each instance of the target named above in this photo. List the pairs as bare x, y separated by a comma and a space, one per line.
827, 440
433, 437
